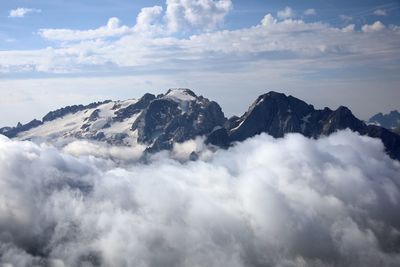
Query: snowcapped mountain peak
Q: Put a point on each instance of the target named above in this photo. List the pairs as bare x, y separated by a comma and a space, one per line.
155, 122
181, 94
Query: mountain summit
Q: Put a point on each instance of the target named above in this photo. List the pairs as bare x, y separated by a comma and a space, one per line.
277, 114
389, 121
157, 122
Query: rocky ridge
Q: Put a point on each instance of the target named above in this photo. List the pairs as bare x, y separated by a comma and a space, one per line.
157, 122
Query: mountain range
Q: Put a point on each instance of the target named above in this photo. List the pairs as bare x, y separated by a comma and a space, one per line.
389, 121
157, 122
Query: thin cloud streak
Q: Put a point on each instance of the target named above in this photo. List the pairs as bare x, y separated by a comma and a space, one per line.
21, 12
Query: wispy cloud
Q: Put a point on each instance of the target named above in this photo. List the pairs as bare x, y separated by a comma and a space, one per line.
310, 12
374, 27
380, 12
22, 12
112, 29
345, 18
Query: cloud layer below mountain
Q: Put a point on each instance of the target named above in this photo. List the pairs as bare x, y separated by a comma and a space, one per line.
265, 202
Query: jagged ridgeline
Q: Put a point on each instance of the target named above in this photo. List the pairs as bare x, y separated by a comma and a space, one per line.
158, 122
389, 121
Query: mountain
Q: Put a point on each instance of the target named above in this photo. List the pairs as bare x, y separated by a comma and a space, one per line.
389, 121
177, 116
278, 114
21, 130
157, 122
4, 130
154, 121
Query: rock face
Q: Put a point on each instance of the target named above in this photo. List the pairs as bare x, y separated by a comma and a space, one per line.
5, 130
157, 122
278, 114
389, 121
390, 140
134, 108
12, 132
177, 116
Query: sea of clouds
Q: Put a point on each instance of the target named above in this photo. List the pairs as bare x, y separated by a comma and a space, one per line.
292, 201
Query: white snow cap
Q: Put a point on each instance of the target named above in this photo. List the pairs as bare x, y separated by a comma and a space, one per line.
181, 94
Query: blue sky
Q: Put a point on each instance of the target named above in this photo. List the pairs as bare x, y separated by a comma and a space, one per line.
330, 53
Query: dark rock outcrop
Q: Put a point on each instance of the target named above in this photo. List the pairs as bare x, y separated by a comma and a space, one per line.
135, 108
219, 137
389, 139
167, 120
12, 132
389, 121
5, 129
52, 115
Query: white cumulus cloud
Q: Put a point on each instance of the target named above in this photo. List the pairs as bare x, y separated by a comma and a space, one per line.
180, 15
148, 20
265, 202
151, 45
205, 14
268, 20
374, 27
101, 150
285, 13
349, 28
